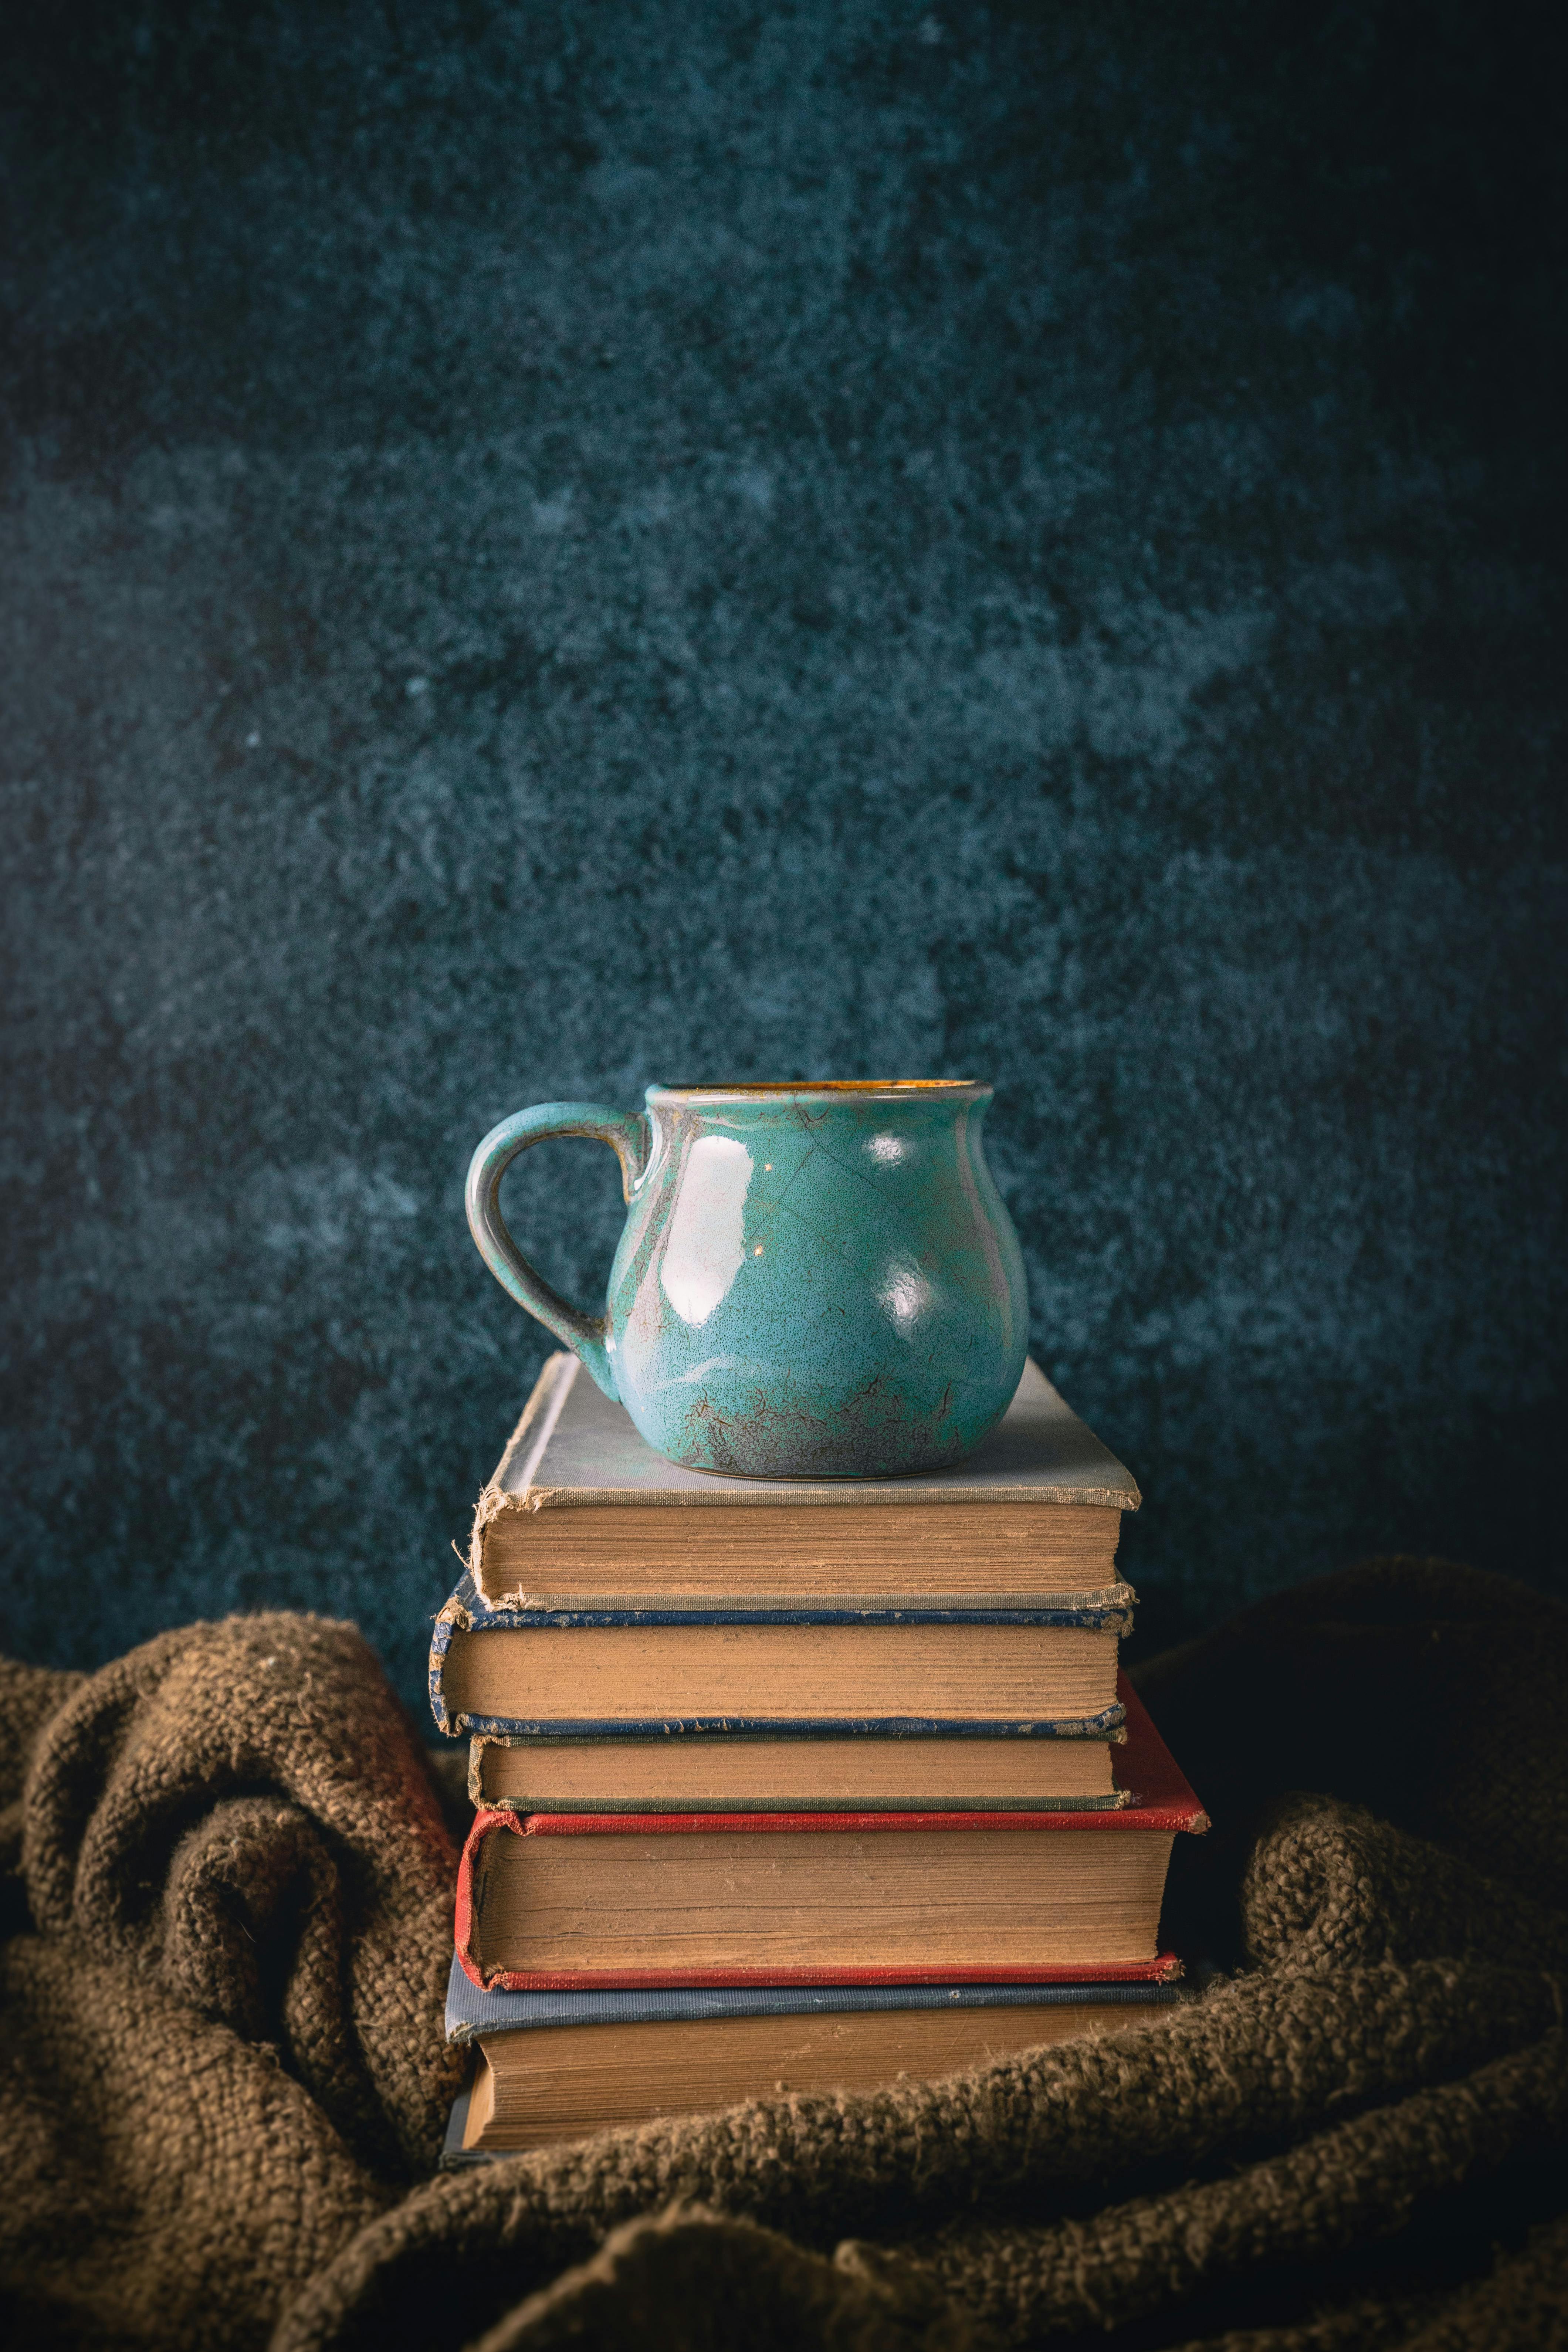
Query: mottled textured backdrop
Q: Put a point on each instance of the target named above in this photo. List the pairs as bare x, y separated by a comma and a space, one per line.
549, 547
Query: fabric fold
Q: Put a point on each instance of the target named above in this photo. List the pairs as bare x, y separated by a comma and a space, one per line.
223, 2078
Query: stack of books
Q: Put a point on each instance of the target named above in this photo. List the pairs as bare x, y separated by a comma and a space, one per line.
790, 1785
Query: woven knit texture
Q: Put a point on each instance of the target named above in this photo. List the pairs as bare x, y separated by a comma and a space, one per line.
224, 2083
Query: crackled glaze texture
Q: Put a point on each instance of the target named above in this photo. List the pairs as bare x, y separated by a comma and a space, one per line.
814, 1281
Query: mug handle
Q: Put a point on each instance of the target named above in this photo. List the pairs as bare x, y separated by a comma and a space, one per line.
626, 1133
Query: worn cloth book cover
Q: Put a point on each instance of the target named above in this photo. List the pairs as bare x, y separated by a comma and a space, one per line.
580, 1922
472, 2010
582, 1512
557, 2084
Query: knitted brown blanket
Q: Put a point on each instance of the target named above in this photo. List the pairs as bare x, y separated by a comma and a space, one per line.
222, 2081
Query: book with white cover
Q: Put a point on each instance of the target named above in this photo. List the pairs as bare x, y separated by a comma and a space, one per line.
582, 1514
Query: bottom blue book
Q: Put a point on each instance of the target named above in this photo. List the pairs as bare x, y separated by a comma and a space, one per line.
557, 2066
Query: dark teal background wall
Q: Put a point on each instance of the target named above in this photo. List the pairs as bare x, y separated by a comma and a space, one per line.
545, 548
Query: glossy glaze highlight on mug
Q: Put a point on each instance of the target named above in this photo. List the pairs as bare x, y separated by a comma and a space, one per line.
815, 1281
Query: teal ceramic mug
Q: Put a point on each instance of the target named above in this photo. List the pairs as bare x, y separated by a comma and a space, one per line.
814, 1281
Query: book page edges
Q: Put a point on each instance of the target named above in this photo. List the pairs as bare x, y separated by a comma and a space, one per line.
480, 1740
1156, 1792
512, 1482
469, 1612
1162, 1968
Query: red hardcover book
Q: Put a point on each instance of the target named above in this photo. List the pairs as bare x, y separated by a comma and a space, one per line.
568, 1902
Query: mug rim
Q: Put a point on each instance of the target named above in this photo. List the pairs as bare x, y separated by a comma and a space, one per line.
764, 1089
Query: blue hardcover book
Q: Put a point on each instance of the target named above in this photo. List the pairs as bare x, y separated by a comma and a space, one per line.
473, 2013
925, 1669
552, 2067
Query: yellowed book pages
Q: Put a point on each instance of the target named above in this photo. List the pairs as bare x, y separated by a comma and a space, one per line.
830, 1674
737, 1775
560, 2083
957, 1900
